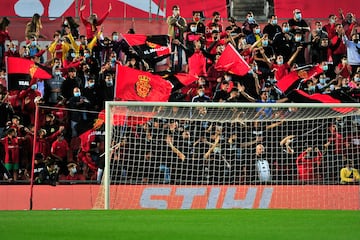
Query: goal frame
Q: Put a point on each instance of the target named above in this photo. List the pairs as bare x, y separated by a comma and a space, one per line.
110, 104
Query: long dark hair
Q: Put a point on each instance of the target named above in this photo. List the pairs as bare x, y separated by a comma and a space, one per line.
4, 23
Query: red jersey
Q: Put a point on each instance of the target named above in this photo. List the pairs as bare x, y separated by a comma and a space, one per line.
60, 148
90, 29
305, 166
11, 147
281, 70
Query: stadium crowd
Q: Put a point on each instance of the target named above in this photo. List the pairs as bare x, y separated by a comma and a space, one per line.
83, 78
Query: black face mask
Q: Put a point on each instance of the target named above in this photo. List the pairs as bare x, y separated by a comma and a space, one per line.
356, 41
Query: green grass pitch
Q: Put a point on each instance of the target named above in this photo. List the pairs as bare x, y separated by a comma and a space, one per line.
179, 224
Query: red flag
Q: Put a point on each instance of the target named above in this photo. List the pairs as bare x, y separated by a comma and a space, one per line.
298, 95
136, 85
149, 47
26, 66
231, 61
23, 72
293, 79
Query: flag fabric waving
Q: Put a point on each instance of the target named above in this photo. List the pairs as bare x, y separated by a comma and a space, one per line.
300, 96
136, 85
152, 47
23, 72
178, 80
231, 61
293, 79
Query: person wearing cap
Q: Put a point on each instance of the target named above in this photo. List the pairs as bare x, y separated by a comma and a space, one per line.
298, 23
51, 124
39, 167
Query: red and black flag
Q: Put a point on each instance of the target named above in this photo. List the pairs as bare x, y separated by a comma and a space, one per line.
231, 61
149, 47
299, 96
23, 72
293, 80
136, 85
178, 80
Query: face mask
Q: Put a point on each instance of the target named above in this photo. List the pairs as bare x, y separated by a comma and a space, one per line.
344, 62
73, 170
255, 69
279, 62
91, 84
251, 19
13, 49
109, 83
193, 29
196, 19
257, 30
356, 79
274, 22
322, 81
286, 29
34, 87
325, 67
73, 55
77, 94
201, 94
298, 16
86, 55
66, 22
297, 39
319, 29
227, 78
115, 37
217, 150
332, 21
176, 12
33, 43
356, 41
312, 88
58, 73
244, 42
265, 43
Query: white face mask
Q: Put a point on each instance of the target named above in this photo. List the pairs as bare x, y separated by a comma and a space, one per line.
193, 29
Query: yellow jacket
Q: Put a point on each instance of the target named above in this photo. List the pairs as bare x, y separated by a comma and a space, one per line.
348, 175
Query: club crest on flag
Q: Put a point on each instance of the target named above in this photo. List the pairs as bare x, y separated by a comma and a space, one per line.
143, 86
303, 74
32, 70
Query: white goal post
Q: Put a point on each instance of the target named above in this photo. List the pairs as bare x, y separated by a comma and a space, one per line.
218, 150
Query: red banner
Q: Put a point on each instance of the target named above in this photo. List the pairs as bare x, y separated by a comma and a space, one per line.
314, 9
121, 9
182, 197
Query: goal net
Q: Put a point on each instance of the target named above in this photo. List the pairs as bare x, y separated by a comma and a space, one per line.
209, 155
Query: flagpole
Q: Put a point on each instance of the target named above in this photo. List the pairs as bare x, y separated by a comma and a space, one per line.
33, 155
